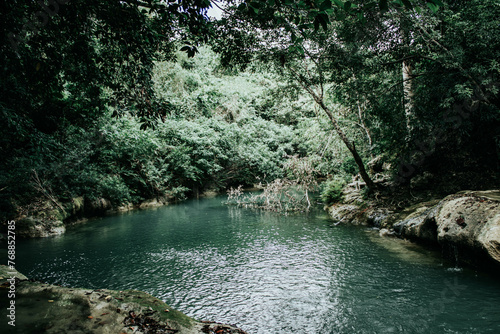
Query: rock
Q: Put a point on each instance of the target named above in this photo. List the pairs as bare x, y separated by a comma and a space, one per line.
467, 224
8, 272
378, 217
420, 224
40, 307
97, 206
77, 205
153, 203
34, 227
125, 207
49, 219
347, 213
386, 233
471, 225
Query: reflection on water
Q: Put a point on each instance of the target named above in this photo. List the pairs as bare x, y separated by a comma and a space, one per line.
404, 249
268, 273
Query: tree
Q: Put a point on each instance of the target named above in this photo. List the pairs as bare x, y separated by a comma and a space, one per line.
68, 60
285, 37
389, 64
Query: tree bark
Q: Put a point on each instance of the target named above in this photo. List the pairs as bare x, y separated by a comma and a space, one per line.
362, 124
408, 98
407, 73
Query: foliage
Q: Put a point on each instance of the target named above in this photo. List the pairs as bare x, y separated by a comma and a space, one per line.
191, 150
352, 67
332, 190
294, 90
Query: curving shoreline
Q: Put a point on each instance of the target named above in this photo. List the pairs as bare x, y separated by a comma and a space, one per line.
465, 225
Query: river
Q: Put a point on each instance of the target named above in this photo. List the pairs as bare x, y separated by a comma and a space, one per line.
269, 273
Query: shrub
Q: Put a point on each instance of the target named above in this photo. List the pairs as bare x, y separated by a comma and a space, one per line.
113, 188
332, 190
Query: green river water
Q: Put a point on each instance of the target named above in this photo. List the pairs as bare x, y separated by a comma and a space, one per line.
269, 273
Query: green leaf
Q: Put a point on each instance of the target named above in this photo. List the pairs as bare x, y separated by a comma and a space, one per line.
370, 6
324, 23
361, 18
433, 7
339, 3
316, 24
255, 7
300, 49
322, 20
327, 4
347, 5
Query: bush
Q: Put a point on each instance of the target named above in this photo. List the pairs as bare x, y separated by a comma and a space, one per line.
332, 190
113, 188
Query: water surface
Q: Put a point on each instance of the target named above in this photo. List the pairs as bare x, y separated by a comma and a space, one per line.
268, 273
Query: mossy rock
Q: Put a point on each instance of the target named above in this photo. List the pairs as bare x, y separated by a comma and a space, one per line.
148, 303
33, 227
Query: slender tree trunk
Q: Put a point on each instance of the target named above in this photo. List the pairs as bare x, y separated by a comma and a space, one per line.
407, 72
408, 97
364, 127
349, 144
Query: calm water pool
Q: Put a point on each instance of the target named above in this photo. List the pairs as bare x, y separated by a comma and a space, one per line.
268, 273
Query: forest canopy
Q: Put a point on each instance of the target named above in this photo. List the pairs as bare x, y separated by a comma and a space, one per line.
128, 100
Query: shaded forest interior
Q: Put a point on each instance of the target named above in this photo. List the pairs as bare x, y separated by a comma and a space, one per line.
131, 100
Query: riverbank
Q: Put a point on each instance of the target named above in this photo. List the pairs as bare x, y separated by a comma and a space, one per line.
465, 225
47, 308
45, 218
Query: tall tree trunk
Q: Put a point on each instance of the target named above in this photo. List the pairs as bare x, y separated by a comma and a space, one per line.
407, 73
362, 124
349, 144
408, 98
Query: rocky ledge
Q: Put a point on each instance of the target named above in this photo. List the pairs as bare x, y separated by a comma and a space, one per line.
46, 308
49, 218
465, 225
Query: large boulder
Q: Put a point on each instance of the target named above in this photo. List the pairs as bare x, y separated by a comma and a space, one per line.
467, 225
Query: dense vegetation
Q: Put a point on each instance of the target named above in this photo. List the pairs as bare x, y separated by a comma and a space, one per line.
97, 104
